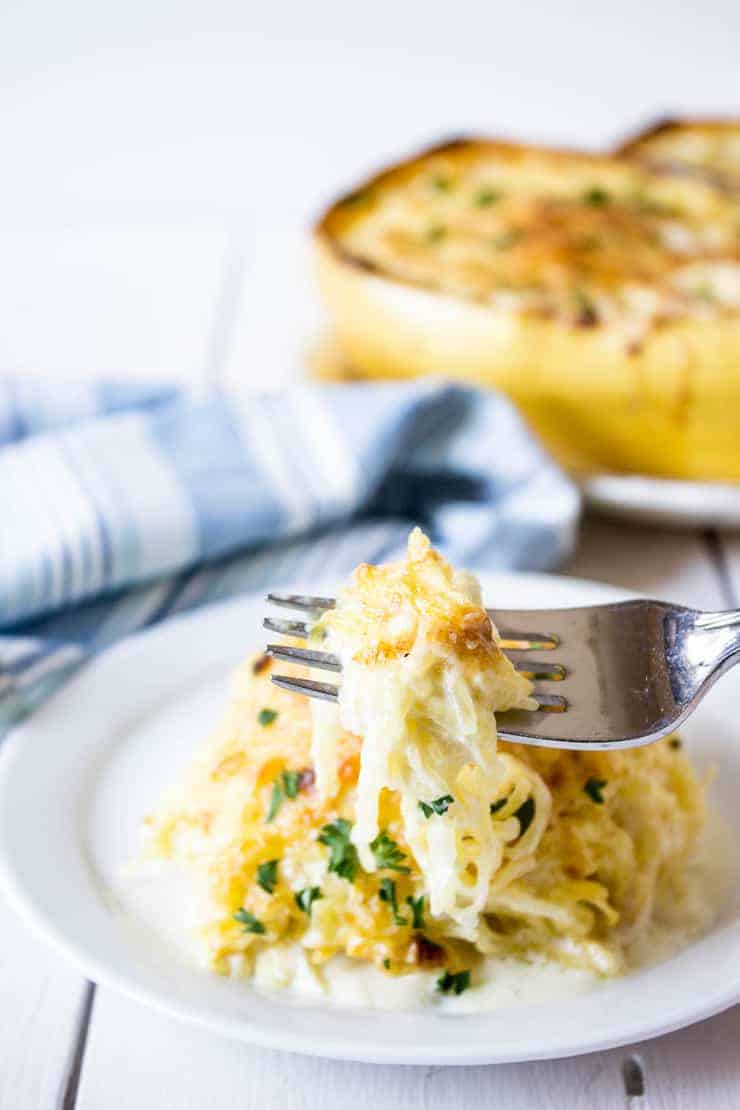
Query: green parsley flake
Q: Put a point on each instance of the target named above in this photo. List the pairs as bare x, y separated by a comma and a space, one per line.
416, 905
387, 853
267, 875
484, 198
525, 813
343, 859
291, 783
249, 921
435, 234
442, 183
496, 806
387, 893
594, 788
276, 800
287, 786
438, 806
305, 898
267, 716
453, 982
596, 197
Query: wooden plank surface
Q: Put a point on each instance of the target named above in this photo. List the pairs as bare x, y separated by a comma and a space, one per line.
657, 562
172, 1067
41, 1007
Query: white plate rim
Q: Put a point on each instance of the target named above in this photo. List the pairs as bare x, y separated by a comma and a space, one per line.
340, 1047
674, 502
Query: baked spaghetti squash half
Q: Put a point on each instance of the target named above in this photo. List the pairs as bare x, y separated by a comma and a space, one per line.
601, 295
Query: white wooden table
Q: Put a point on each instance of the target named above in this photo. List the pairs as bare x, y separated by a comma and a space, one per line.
160, 164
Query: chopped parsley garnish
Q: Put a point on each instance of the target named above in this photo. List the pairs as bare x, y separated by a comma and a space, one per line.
267, 716
387, 853
525, 813
276, 800
484, 198
442, 183
499, 804
267, 875
453, 982
287, 786
508, 238
594, 789
291, 782
596, 197
305, 898
438, 806
416, 905
387, 893
249, 921
436, 233
343, 859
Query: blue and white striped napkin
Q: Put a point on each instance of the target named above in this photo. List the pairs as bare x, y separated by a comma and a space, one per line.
122, 505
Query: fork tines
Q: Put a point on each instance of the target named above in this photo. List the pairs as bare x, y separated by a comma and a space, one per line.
511, 640
552, 672
310, 657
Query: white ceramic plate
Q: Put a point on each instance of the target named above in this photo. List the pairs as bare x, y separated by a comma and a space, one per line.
76, 780
675, 502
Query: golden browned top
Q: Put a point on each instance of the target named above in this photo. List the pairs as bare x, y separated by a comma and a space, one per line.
708, 148
385, 607
559, 234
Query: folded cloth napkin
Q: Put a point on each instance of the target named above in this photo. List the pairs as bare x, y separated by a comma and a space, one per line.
122, 505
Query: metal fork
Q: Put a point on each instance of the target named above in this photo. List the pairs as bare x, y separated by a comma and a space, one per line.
631, 671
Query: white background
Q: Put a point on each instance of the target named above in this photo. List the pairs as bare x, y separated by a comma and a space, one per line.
214, 122
160, 164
